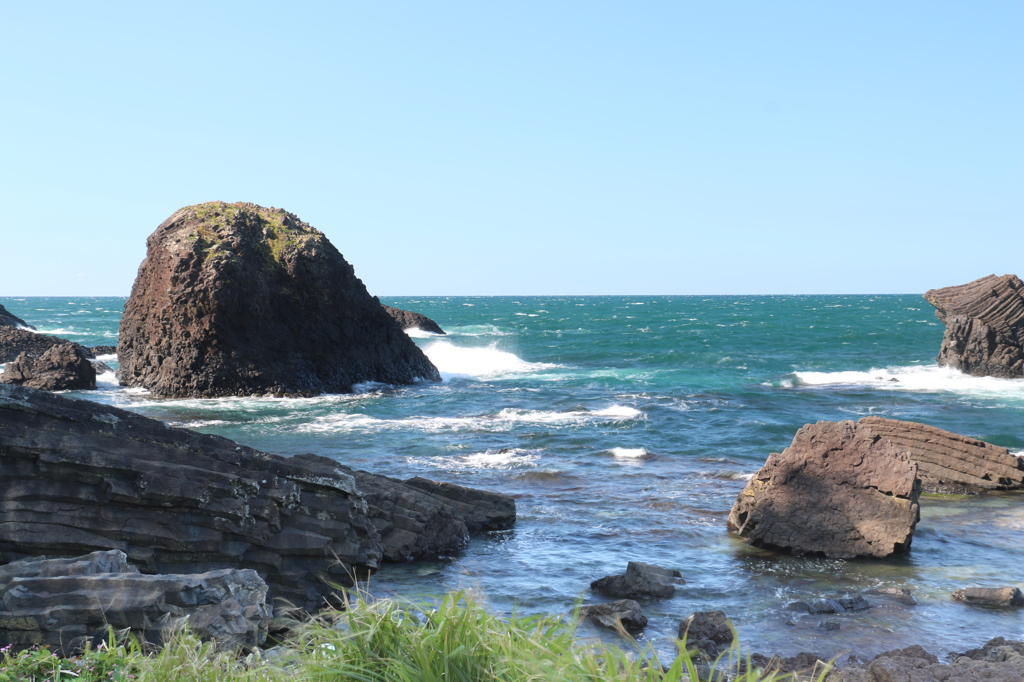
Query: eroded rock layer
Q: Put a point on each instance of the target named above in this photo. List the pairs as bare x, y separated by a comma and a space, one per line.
410, 320
238, 299
984, 326
950, 463
840, 489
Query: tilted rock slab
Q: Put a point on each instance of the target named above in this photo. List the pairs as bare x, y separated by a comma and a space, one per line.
7, 319
984, 326
63, 367
65, 603
410, 320
840, 489
238, 299
950, 463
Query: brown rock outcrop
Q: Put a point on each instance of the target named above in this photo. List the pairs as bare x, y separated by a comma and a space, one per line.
998, 661
840, 489
62, 367
410, 320
984, 326
238, 299
990, 596
14, 342
7, 319
950, 463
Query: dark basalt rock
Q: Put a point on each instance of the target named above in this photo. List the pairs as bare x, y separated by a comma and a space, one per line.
14, 342
840, 489
710, 632
984, 326
640, 581
103, 350
998, 661
806, 664
950, 463
238, 299
840, 605
63, 367
410, 320
624, 614
65, 603
9, 320
990, 596
177, 501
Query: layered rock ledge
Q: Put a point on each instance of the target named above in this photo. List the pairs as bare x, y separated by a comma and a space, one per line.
840, 489
238, 299
77, 477
984, 326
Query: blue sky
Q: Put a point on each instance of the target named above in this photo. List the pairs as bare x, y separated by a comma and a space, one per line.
469, 148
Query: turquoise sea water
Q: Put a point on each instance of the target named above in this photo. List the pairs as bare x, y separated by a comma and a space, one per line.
625, 427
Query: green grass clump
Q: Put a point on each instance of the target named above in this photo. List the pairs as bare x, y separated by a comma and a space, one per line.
453, 640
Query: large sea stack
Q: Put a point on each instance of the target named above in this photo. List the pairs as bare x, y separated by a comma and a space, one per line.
984, 326
238, 299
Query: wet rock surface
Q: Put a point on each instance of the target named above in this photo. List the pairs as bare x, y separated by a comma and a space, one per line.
640, 581
624, 613
998, 661
710, 632
984, 326
410, 320
990, 596
840, 489
238, 299
62, 367
65, 603
8, 319
950, 463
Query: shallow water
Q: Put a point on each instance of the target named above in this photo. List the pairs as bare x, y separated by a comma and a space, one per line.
625, 427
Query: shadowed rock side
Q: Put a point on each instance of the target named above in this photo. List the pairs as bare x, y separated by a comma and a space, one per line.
9, 320
950, 463
14, 342
238, 299
62, 367
984, 326
839, 489
77, 477
408, 320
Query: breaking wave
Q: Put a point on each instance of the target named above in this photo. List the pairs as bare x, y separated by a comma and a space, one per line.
479, 363
929, 378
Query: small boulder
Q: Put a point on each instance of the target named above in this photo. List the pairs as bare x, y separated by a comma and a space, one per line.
990, 596
899, 594
624, 614
410, 320
710, 632
60, 368
998, 661
640, 581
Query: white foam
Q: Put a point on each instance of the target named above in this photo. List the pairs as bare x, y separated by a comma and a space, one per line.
106, 357
417, 333
629, 453
480, 363
930, 378
107, 380
619, 411
509, 458
476, 330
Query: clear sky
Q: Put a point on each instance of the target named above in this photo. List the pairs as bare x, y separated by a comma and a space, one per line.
526, 147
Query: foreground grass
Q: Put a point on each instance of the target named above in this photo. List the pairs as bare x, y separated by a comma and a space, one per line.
456, 640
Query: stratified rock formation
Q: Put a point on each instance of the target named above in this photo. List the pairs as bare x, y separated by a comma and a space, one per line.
984, 326
238, 299
840, 489
950, 463
410, 320
77, 477
9, 320
62, 367
65, 603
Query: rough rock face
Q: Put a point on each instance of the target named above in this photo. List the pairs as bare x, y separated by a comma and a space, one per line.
408, 320
990, 596
998, 661
103, 350
640, 581
176, 501
950, 463
840, 489
624, 613
14, 342
984, 326
9, 320
63, 603
237, 299
707, 631
62, 367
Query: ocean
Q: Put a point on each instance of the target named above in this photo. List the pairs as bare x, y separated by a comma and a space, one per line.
625, 426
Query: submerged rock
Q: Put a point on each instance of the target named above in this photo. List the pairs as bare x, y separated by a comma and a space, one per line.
238, 299
410, 320
839, 489
990, 596
9, 320
984, 326
66, 603
63, 367
950, 463
640, 581
624, 613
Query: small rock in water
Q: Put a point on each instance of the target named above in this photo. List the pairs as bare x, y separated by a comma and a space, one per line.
640, 581
900, 594
829, 625
708, 631
624, 613
990, 596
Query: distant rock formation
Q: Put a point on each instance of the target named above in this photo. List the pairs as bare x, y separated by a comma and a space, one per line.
839, 489
984, 326
14, 342
950, 463
62, 367
177, 501
238, 299
410, 320
9, 320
